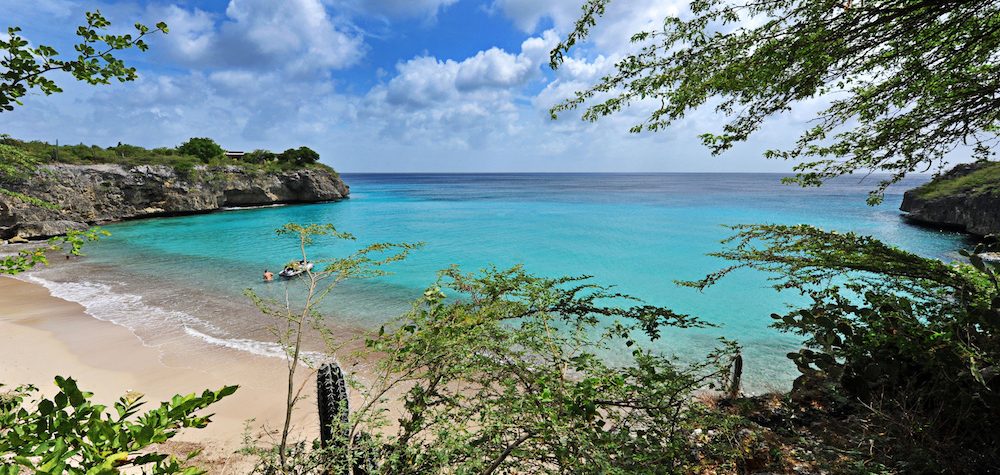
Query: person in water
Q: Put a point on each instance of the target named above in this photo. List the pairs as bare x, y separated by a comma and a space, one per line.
268, 276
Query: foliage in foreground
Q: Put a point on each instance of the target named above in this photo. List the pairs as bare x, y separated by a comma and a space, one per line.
70, 434
903, 82
71, 243
24, 67
914, 341
506, 372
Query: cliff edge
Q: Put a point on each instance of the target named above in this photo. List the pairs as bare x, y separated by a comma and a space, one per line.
966, 198
84, 195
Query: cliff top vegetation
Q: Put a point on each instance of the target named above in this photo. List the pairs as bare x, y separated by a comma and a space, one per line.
978, 179
183, 158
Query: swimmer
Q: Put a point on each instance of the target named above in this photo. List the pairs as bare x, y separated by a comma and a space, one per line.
268, 276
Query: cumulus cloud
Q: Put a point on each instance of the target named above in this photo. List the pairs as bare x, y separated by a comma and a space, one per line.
621, 20
462, 103
265, 74
299, 35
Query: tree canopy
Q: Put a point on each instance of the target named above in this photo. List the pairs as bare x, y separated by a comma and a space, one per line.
202, 147
299, 156
23, 67
904, 83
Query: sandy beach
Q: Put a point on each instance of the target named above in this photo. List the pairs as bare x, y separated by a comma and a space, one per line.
42, 336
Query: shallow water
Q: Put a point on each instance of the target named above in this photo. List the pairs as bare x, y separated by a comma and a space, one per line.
183, 277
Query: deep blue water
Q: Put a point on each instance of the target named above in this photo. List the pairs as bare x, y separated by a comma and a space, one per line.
637, 231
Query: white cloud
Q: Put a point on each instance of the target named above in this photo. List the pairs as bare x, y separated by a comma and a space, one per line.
299, 35
261, 74
622, 18
459, 104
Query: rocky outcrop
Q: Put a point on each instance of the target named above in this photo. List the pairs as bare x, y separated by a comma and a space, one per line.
96, 194
965, 198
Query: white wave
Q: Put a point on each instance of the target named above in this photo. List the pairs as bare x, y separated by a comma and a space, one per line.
127, 310
262, 348
234, 208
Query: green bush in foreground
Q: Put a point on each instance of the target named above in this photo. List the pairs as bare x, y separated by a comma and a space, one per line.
507, 372
913, 342
70, 434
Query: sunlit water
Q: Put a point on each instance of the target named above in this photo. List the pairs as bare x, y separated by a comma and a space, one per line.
184, 277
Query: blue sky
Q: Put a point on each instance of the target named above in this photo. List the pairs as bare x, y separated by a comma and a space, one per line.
373, 85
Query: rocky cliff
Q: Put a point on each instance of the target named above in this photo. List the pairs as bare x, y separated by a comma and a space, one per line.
98, 194
965, 198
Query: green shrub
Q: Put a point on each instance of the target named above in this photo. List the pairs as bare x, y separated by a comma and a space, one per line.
914, 341
202, 147
70, 434
983, 181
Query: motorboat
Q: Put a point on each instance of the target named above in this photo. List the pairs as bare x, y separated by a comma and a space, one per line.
295, 269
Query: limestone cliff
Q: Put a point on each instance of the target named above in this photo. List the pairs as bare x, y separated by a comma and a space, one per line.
965, 198
98, 194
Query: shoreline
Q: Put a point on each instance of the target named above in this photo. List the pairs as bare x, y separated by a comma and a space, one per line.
42, 336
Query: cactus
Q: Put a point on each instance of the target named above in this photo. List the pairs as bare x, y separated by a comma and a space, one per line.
334, 408
736, 377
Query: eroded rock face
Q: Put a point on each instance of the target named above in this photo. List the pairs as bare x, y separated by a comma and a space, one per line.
971, 211
99, 194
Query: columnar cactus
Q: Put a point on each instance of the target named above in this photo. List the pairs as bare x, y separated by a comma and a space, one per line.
334, 408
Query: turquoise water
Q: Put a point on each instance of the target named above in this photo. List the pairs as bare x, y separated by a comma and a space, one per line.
639, 232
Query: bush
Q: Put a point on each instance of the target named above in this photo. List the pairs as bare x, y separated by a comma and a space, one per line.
914, 341
502, 373
69, 434
299, 156
260, 156
204, 148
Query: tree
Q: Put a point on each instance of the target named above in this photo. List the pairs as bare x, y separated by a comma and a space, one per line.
915, 341
25, 68
299, 156
260, 156
202, 147
70, 434
905, 82
319, 282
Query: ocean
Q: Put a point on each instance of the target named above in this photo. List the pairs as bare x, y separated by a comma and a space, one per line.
183, 277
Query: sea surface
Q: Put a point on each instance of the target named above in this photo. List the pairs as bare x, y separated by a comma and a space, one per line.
185, 277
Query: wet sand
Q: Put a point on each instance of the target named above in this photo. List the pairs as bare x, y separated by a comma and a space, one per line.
42, 336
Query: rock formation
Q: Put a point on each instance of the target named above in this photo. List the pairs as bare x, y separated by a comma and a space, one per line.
97, 194
966, 198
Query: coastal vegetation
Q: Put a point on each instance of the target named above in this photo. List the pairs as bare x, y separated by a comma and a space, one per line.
498, 371
898, 347
194, 152
982, 180
68, 433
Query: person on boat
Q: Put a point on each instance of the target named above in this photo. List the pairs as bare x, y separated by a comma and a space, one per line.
268, 276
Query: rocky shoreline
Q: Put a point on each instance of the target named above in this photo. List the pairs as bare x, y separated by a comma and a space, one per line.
87, 195
963, 199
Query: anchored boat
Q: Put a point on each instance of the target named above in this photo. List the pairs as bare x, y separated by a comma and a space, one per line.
295, 269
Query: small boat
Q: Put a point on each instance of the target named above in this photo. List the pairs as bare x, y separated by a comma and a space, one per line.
295, 269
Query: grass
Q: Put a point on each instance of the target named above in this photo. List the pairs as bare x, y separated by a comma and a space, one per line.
985, 180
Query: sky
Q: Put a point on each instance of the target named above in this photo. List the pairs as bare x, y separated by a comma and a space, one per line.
373, 85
